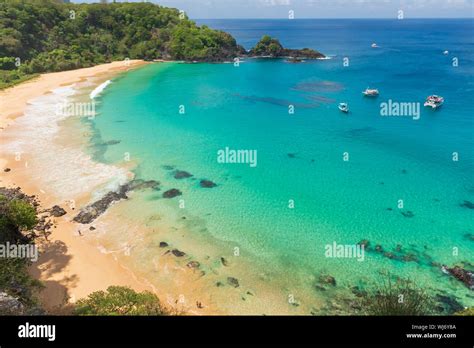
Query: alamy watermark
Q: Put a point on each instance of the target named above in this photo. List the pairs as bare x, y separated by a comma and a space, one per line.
240, 156
394, 108
347, 251
76, 109
20, 251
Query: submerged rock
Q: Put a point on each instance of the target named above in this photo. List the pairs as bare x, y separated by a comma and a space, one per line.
467, 204
111, 142
448, 304
462, 275
163, 244
291, 155
178, 253
224, 262
182, 174
193, 264
365, 243
207, 183
408, 214
469, 236
172, 193
327, 279
233, 282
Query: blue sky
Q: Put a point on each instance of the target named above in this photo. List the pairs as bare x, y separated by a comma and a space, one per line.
320, 8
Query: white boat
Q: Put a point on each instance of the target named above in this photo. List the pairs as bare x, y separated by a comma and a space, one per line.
370, 92
434, 101
374, 45
343, 107
446, 53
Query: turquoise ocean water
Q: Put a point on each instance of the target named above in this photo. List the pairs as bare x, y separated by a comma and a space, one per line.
300, 155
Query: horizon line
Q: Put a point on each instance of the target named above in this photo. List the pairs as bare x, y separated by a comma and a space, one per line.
334, 18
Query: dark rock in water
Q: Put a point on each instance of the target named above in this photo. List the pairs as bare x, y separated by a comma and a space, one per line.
292, 155
224, 261
469, 236
172, 193
467, 204
462, 275
327, 279
57, 211
6, 170
111, 142
219, 284
92, 228
390, 255
178, 253
207, 183
193, 264
378, 248
389, 209
398, 248
408, 214
365, 243
181, 174
410, 257
139, 184
233, 282
319, 287
167, 167
163, 244
449, 304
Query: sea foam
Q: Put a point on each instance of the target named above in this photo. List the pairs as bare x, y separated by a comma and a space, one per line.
63, 170
99, 89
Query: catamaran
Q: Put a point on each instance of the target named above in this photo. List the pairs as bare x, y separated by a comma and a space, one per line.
343, 107
371, 92
434, 101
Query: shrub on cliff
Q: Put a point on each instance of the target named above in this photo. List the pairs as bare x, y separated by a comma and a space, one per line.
16, 216
399, 297
119, 300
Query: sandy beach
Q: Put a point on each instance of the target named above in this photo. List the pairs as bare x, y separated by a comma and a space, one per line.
68, 266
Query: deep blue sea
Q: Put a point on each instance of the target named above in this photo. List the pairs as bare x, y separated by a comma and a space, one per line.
403, 187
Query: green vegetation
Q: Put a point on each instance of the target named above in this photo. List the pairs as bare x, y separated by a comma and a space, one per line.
47, 35
466, 312
16, 217
268, 46
271, 47
119, 300
400, 297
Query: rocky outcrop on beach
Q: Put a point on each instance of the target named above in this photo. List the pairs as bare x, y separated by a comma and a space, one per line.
56, 211
94, 210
